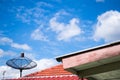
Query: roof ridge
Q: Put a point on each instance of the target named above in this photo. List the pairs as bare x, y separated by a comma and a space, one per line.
50, 76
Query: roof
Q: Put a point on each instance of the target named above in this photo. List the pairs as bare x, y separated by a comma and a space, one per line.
50, 78
53, 71
59, 59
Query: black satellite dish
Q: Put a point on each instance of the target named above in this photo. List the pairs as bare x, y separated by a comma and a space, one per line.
21, 63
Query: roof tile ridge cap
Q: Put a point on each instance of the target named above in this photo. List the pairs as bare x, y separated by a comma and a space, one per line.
51, 76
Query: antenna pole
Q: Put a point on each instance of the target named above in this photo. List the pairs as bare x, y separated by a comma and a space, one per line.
20, 72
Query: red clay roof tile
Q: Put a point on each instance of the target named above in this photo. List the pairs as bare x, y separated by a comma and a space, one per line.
53, 71
51, 78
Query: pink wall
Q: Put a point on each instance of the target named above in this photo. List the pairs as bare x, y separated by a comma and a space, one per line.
91, 56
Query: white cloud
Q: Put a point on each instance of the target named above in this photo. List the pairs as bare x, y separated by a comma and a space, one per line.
9, 53
108, 26
41, 64
21, 46
23, 18
65, 31
1, 52
100, 0
35, 14
61, 12
5, 40
6, 53
8, 41
8, 72
45, 63
43, 4
38, 35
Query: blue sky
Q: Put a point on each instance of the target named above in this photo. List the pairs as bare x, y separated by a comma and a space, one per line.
45, 29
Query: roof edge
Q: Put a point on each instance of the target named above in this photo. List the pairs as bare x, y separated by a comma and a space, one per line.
59, 58
50, 76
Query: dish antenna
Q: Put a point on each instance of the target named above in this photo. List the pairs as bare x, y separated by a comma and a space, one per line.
21, 63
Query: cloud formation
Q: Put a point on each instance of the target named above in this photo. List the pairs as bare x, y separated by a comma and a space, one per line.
65, 31
1, 52
37, 34
35, 14
8, 71
8, 41
108, 26
5, 40
100, 0
21, 46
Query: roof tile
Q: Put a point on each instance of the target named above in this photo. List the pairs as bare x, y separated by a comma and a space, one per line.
53, 71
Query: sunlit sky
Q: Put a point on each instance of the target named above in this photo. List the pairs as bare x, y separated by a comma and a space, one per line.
45, 29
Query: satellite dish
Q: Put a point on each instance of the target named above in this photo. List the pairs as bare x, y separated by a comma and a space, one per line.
21, 63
